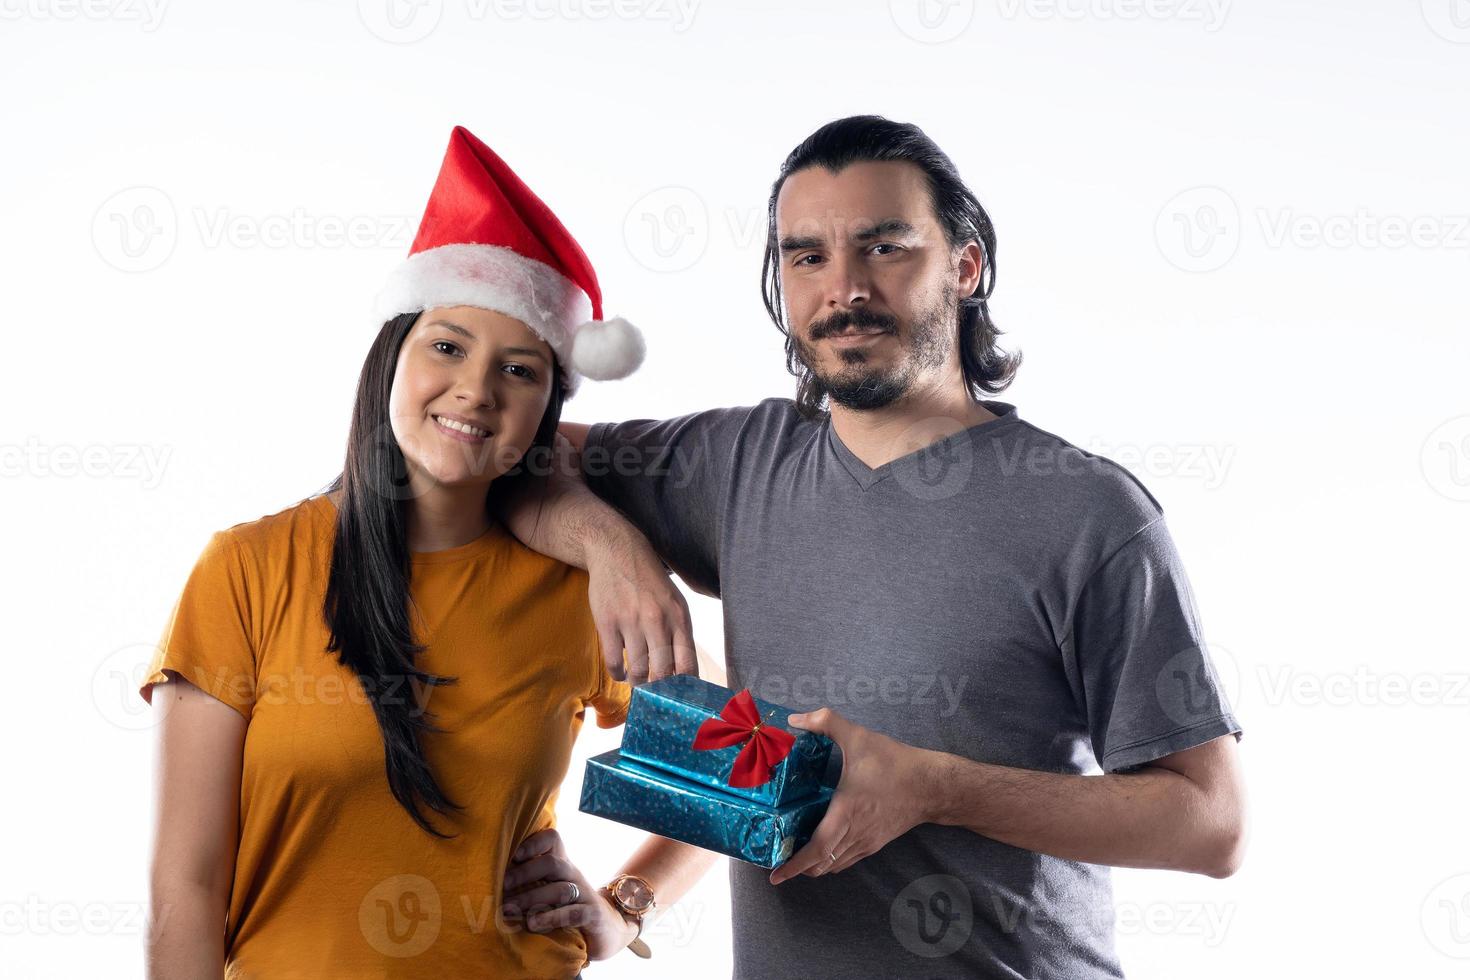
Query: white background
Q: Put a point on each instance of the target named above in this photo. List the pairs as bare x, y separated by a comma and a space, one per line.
1233, 247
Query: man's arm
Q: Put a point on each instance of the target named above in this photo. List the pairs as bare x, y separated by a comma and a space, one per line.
635, 605
1182, 812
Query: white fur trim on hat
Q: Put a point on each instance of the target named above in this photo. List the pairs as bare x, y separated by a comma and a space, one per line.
491, 277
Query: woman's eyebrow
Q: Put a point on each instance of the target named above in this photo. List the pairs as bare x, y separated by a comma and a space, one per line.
456, 328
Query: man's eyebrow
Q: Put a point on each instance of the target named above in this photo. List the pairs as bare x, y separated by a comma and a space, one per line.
888, 227
795, 243
521, 351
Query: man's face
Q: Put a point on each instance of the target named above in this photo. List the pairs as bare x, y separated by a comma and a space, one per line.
869, 281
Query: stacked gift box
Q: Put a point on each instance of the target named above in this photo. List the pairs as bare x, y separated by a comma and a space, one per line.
713, 768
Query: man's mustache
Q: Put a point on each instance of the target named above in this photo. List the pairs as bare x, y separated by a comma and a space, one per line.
860, 318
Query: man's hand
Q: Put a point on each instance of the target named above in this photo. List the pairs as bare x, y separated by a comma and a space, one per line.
637, 608
878, 798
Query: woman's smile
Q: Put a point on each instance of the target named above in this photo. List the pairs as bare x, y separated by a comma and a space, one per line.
460, 431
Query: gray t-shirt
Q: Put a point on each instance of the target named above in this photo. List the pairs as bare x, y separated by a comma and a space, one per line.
1000, 595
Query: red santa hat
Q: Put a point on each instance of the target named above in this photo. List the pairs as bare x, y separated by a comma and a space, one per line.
486, 240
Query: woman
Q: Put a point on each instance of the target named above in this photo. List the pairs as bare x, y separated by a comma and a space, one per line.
373, 693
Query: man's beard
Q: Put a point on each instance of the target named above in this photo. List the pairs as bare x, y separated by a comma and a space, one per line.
861, 386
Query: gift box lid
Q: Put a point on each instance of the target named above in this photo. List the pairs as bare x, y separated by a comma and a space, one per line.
666, 715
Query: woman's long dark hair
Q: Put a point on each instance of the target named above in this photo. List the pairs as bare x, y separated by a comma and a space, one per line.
855, 139
367, 600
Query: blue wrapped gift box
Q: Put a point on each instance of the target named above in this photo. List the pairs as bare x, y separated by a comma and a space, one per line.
659, 783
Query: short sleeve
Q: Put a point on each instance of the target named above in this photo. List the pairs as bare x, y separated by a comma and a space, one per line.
1136, 647
671, 478
208, 637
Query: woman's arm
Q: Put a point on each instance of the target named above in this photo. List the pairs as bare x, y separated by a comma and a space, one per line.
671, 867
196, 825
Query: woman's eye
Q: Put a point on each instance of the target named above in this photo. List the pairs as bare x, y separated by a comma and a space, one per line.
521, 371
440, 344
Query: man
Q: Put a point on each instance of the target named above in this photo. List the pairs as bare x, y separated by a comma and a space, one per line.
979, 613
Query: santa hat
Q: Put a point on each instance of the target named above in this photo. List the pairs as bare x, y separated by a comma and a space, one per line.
486, 240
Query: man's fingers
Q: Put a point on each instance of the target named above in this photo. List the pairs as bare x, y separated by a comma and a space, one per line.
818, 850
847, 858
660, 656
612, 651
637, 648
686, 660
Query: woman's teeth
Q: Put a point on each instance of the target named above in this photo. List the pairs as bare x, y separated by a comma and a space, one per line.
460, 426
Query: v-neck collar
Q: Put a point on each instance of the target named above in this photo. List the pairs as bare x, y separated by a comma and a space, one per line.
867, 477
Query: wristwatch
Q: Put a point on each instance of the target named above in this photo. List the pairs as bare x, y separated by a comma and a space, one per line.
633, 896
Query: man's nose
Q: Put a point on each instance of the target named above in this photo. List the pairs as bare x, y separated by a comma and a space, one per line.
848, 284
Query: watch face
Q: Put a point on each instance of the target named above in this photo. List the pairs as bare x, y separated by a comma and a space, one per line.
634, 894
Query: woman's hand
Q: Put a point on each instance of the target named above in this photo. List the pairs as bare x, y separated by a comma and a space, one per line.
637, 607
539, 890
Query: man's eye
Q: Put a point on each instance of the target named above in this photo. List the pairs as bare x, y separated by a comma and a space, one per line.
440, 344
803, 259
888, 245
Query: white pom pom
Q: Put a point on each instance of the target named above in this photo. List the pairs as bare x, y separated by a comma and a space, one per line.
605, 350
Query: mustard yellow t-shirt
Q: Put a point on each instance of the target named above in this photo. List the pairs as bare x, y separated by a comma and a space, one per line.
332, 877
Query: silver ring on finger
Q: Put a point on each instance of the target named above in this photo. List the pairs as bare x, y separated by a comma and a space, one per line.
576, 893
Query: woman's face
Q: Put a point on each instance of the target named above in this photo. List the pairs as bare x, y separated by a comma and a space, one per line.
469, 392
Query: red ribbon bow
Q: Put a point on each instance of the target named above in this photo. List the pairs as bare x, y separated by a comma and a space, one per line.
765, 746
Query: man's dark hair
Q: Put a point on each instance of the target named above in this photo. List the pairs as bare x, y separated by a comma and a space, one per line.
856, 139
